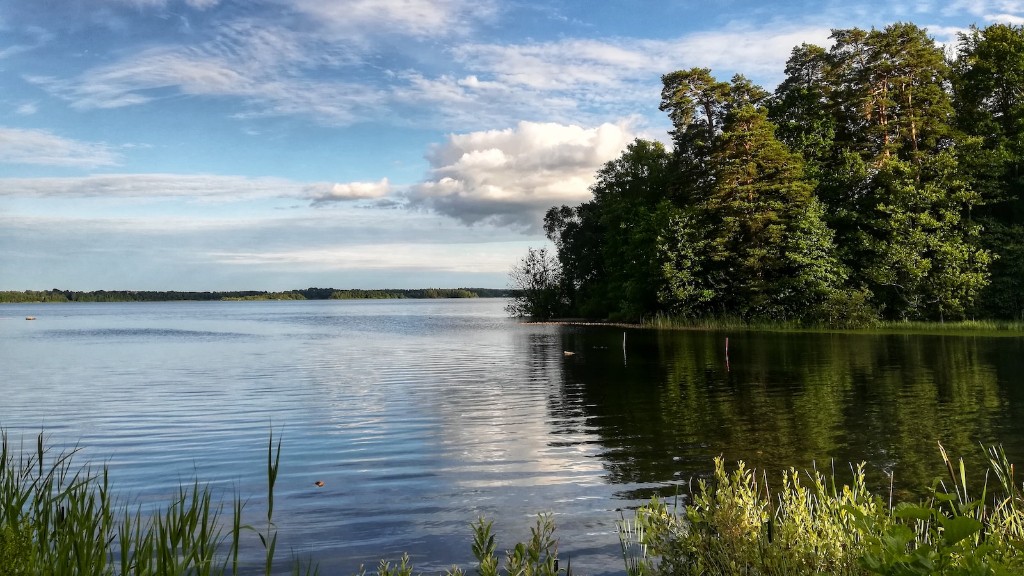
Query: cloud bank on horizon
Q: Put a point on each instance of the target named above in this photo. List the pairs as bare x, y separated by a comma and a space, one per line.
274, 144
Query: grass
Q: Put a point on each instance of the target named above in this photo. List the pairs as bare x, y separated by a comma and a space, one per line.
59, 518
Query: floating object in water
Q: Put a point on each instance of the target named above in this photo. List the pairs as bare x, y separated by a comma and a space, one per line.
319, 484
30, 317
567, 353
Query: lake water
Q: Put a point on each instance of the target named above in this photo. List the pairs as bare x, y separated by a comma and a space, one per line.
420, 416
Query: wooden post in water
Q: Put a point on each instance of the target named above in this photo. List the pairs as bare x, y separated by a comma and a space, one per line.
623, 348
726, 353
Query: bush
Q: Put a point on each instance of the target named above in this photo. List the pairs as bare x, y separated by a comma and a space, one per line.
734, 526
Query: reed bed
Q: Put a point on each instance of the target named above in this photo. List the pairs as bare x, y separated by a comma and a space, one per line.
60, 518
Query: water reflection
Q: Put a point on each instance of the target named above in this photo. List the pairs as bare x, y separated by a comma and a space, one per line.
792, 400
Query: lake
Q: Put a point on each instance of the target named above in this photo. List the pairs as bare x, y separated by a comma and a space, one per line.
419, 416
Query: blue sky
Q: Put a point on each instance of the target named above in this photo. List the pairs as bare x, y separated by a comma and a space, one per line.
278, 144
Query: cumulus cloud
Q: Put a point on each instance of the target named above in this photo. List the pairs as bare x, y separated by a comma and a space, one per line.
510, 177
322, 194
39, 147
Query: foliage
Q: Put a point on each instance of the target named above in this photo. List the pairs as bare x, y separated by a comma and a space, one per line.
880, 181
734, 525
57, 518
536, 278
536, 557
608, 248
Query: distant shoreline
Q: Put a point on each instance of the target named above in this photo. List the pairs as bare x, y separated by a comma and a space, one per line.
56, 295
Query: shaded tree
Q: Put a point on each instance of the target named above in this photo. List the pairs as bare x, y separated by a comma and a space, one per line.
536, 278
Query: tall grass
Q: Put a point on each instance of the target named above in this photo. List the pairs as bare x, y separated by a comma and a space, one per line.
60, 518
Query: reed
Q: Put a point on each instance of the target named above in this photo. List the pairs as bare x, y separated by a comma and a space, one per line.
60, 518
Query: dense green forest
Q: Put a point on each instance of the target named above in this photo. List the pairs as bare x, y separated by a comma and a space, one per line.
56, 295
882, 180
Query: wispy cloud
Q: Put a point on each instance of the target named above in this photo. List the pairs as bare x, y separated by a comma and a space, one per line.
265, 66
422, 18
592, 80
1014, 19
40, 147
407, 257
197, 4
200, 186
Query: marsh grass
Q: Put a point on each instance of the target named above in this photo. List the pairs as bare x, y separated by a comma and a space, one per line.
734, 524
60, 518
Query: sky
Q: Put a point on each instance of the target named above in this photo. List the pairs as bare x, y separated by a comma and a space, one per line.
282, 144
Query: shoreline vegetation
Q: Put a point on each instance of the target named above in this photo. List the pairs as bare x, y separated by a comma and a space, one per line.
880, 181
57, 295
58, 517
661, 322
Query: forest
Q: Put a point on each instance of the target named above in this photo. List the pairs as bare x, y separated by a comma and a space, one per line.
881, 180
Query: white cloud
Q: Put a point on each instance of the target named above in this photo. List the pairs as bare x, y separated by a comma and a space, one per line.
983, 7
1014, 19
512, 176
758, 53
406, 257
27, 109
39, 147
597, 65
589, 80
204, 186
197, 4
328, 193
265, 66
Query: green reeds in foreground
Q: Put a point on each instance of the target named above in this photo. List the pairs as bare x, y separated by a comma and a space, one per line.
58, 518
735, 525
536, 557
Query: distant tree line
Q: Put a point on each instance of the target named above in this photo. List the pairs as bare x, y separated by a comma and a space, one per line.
880, 180
56, 295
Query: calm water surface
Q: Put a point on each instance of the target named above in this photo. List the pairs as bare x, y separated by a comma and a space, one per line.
420, 416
